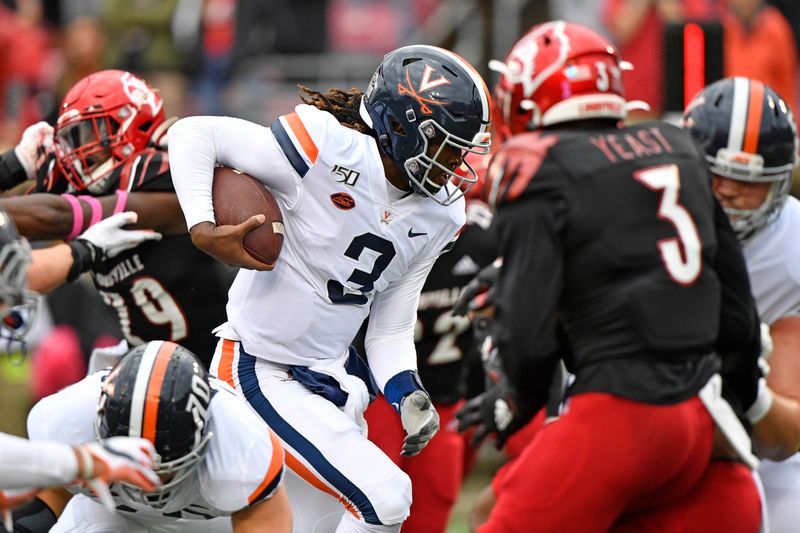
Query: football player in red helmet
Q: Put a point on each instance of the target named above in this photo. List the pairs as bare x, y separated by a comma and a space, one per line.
108, 154
105, 121
615, 258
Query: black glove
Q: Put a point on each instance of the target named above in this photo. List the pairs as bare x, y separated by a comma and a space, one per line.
483, 282
492, 412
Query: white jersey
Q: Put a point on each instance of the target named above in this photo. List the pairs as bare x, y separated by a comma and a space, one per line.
349, 250
242, 464
773, 256
773, 263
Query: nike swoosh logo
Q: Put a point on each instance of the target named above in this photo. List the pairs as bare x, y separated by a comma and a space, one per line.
412, 234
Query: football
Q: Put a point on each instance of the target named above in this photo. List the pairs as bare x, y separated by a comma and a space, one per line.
237, 197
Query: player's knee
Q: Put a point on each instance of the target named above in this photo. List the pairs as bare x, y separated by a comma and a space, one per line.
393, 504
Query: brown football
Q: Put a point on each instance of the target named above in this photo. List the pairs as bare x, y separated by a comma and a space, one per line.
236, 198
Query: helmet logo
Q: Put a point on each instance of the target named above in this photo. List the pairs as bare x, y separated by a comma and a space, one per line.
425, 85
139, 93
521, 66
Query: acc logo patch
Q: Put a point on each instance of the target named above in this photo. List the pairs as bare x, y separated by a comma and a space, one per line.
343, 201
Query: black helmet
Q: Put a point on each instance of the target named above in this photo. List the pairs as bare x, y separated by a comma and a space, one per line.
748, 133
422, 95
158, 391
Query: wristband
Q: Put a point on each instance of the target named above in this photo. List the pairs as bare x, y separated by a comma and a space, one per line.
97, 208
122, 199
86, 465
84, 256
763, 403
401, 385
77, 216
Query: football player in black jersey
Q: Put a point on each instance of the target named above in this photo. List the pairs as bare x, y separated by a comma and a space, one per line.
610, 234
108, 154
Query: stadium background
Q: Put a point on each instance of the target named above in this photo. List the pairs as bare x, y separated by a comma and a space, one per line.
245, 58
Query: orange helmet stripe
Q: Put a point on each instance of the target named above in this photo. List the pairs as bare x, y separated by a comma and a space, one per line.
150, 418
754, 109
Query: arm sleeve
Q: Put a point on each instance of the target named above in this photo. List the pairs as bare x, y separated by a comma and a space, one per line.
739, 337
25, 464
12, 172
196, 144
390, 336
528, 292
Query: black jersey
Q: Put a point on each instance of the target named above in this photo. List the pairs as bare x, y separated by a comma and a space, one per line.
610, 233
444, 342
167, 289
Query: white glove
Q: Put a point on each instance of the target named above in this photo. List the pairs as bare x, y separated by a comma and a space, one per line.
109, 237
117, 459
107, 357
27, 151
420, 422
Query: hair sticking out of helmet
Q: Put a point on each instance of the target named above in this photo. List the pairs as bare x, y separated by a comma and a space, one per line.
158, 391
429, 107
104, 121
748, 133
559, 72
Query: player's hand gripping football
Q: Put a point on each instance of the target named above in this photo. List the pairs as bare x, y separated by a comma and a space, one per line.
224, 243
117, 459
420, 422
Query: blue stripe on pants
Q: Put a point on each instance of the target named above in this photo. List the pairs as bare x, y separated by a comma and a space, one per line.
259, 402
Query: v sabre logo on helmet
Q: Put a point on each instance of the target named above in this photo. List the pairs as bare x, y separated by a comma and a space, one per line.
425, 85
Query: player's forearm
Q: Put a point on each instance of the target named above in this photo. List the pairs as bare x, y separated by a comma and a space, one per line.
274, 514
49, 268
777, 435
25, 464
51, 216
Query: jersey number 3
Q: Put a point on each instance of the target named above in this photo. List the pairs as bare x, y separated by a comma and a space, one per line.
365, 280
681, 254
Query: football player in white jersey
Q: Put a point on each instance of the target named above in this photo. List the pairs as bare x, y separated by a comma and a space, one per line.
750, 139
370, 199
220, 465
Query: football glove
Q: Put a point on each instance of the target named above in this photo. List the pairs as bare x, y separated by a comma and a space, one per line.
111, 239
491, 412
36, 142
117, 459
420, 422
106, 239
481, 285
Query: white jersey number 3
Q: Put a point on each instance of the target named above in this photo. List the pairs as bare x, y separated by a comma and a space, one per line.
681, 254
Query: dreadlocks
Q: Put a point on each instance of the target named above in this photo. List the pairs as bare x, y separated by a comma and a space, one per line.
341, 104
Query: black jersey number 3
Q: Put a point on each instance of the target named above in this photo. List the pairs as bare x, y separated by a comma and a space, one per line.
365, 280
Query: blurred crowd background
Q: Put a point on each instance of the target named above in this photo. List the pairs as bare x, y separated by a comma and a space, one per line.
244, 58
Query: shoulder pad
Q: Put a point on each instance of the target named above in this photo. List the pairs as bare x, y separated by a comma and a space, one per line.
514, 165
301, 135
146, 171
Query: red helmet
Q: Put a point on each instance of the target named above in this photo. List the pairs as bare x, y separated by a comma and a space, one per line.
105, 120
558, 72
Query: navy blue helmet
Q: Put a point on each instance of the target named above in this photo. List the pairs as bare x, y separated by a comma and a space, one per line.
158, 391
748, 133
425, 97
